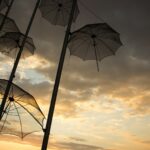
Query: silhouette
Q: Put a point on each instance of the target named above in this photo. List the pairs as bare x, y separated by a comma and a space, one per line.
21, 115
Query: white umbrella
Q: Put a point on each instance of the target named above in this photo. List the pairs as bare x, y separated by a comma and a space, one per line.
57, 12
10, 44
94, 42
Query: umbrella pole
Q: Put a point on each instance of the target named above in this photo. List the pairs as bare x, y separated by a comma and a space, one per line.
96, 60
12, 75
57, 80
6, 14
95, 50
1, 2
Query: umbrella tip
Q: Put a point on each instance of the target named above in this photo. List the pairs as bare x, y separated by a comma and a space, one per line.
60, 5
11, 99
93, 36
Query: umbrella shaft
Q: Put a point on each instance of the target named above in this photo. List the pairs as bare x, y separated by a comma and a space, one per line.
1, 2
12, 75
97, 61
6, 14
96, 54
57, 80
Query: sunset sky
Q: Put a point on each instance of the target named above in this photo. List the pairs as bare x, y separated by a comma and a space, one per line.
105, 110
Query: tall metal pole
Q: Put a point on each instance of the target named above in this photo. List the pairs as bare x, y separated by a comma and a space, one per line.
57, 79
6, 14
12, 75
1, 1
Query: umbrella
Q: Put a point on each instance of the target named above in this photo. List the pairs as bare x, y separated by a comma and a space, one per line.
57, 11
4, 18
3, 4
11, 42
94, 42
8, 26
21, 115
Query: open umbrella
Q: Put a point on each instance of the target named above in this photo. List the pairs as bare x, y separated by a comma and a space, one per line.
57, 11
3, 4
6, 13
9, 25
94, 42
21, 115
10, 44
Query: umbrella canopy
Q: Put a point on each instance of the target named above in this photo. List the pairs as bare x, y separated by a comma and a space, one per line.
11, 42
94, 42
22, 114
57, 11
3, 4
9, 25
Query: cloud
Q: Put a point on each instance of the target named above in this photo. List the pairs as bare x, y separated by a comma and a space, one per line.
122, 83
120, 77
146, 142
39, 90
35, 140
77, 146
77, 139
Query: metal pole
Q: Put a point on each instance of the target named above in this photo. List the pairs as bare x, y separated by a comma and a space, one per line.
57, 79
12, 75
1, 1
6, 14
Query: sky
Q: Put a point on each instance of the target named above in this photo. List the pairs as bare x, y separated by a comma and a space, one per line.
105, 110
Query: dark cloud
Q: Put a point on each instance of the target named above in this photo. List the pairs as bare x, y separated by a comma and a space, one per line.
38, 90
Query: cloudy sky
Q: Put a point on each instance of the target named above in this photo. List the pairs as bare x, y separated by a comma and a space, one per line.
105, 110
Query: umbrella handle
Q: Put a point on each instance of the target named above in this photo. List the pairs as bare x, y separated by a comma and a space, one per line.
95, 51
